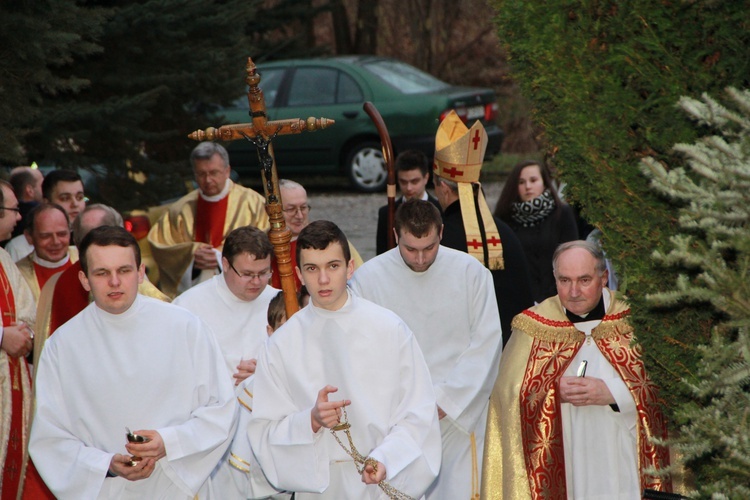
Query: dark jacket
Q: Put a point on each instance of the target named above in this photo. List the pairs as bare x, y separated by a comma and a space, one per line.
539, 243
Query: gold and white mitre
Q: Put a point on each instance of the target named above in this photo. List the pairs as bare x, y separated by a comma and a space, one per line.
459, 153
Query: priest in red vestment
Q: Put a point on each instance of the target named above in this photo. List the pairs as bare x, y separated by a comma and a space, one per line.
187, 241
573, 413
17, 309
49, 229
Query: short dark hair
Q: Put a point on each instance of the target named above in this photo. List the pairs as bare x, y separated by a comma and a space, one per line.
43, 207
111, 218
246, 239
105, 236
20, 179
276, 310
318, 235
417, 217
56, 176
412, 159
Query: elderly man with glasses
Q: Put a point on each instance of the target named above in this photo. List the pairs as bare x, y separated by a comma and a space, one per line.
234, 303
296, 208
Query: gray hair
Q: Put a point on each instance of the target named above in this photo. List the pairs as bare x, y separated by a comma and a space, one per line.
289, 184
453, 185
593, 248
111, 218
206, 150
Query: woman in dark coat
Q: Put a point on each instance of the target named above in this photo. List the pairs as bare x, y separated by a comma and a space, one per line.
530, 205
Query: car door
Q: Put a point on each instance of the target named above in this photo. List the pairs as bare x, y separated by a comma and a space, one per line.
319, 91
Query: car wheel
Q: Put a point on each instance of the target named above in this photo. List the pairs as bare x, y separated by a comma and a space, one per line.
367, 170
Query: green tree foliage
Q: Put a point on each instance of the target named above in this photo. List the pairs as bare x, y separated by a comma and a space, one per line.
39, 41
603, 77
159, 62
712, 248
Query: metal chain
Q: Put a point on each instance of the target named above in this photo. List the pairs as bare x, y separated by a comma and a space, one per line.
364, 461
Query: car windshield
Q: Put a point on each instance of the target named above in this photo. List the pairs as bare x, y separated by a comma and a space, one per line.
404, 77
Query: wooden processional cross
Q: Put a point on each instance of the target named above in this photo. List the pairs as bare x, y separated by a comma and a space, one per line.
261, 132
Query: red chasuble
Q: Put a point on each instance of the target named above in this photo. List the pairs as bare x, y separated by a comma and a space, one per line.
555, 344
44, 273
69, 299
16, 442
209, 221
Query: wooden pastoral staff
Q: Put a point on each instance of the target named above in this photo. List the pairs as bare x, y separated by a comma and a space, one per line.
261, 132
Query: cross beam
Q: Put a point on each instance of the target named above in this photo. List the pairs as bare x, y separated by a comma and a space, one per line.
261, 133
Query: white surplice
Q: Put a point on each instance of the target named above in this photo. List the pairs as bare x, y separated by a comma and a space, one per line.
370, 355
239, 475
239, 326
451, 309
601, 458
155, 366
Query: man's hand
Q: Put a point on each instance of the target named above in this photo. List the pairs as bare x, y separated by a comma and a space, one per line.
119, 465
585, 391
154, 448
17, 340
372, 476
326, 413
205, 258
244, 370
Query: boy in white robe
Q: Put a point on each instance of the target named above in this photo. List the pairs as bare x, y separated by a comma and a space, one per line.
129, 361
234, 303
447, 298
365, 355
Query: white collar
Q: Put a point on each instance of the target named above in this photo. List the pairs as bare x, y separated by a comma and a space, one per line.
219, 196
48, 264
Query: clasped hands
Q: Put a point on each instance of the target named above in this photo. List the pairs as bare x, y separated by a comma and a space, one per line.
17, 339
205, 258
327, 414
585, 391
149, 452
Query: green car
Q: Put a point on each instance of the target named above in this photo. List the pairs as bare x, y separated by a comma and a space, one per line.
411, 102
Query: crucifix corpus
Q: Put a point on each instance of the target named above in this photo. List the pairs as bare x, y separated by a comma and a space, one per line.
261, 133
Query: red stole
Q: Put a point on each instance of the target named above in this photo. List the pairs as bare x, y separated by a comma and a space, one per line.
69, 298
44, 273
209, 221
541, 425
276, 276
16, 442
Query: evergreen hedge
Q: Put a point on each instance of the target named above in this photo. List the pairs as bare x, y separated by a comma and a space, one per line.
604, 78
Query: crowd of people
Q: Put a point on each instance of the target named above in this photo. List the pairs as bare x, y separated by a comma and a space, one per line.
483, 356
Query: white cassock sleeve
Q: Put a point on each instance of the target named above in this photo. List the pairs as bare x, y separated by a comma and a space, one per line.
463, 394
239, 475
285, 447
394, 395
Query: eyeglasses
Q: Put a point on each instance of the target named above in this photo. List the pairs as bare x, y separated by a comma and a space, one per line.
303, 209
13, 209
252, 276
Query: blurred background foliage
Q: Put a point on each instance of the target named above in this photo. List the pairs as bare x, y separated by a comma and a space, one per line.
116, 86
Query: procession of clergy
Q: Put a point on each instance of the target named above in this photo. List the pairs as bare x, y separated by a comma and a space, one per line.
389, 384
